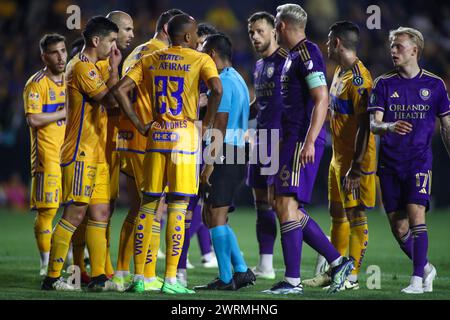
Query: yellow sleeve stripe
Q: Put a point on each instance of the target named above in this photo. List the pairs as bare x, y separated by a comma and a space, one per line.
304, 54
282, 52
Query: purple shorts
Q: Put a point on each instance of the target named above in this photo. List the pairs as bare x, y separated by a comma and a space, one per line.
401, 189
292, 179
255, 179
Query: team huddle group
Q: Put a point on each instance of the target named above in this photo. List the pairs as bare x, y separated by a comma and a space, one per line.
97, 116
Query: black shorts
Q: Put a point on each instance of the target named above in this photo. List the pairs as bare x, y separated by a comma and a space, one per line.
224, 181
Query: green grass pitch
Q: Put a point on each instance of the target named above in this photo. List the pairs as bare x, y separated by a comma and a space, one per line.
19, 262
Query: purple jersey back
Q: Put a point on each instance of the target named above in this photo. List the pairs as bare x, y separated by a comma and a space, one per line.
304, 59
267, 77
418, 101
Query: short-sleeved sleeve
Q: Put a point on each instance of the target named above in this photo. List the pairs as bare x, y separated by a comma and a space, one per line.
360, 89
377, 100
33, 97
227, 96
312, 66
442, 100
89, 79
208, 69
136, 72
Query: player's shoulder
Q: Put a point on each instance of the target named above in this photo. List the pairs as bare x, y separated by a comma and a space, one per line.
360, 75
308, 51
433, 78
281, 53
36, 79
81, 62
385, 77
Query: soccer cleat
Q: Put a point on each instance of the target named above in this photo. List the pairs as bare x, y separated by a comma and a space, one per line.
244, 279
189, 265
218, 284
339, 274
320, 280
175, 288
154, 285
267, 275
57, 284
284, 287
122, 282
102, 283
136, 287
415, 286
43, 270
348, 285
210, 264
428, 279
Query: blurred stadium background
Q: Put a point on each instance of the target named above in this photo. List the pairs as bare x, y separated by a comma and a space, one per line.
23, 22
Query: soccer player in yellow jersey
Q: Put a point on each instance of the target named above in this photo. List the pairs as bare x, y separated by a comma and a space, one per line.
85, 179
132, 146
44, 98
172, 78
351, 181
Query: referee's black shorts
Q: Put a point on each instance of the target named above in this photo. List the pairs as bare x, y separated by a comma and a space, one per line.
224, 181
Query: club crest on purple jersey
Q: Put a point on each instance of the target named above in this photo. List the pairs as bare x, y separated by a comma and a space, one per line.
425, 93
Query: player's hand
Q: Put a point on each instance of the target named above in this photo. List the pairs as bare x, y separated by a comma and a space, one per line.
115, 57
202, 100
352, 180
307, 154
206, 173
401, 127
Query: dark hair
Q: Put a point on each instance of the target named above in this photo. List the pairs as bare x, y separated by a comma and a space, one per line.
165, 18
49, 39
177, 24
262, 15
348, 32
98, 26
206, 29
221, 43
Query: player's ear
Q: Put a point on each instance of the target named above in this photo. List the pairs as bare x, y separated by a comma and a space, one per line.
95, 41
165, 29
187, 37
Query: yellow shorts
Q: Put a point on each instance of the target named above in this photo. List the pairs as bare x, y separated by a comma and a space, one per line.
176, 171
365, 197
132, 165
114, 172
85, 182
46, 189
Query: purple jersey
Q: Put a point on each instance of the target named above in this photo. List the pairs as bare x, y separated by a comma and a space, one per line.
267, 90
418, 101
304, 69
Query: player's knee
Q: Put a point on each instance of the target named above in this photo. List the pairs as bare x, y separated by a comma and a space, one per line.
399, 229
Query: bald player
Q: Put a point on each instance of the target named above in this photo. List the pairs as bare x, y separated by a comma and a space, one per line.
172, 77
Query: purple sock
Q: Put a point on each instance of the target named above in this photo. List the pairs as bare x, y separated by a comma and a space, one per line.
420, 248
196, 217
406, 244
266, 230
187, 241
204, 239
316, 239
291, 242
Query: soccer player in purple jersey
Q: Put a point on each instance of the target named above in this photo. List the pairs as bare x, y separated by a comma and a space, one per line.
404, 105
305, 101
267, 73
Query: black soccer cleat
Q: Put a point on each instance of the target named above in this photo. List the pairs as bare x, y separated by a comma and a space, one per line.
218, 284
244, 279
97, 284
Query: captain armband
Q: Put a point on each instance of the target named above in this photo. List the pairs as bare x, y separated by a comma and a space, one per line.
316, 79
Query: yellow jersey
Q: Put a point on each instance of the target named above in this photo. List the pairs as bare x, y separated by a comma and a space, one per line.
129, 138
85, 138
349, 94
171, 77
42, 95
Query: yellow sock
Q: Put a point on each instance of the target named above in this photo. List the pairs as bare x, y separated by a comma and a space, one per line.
340, 232
43, 228
109, 269
126, 243
143, 234
152, 254
96, 243
60, 246
359, 237
78, 245
176, 212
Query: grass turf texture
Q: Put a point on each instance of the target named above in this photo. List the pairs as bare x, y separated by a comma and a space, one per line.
19, 261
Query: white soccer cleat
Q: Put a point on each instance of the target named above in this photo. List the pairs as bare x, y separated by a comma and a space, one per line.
320, 280
348, 285
415, 286
211, 263
43, 270
263, 274
61, 285
428, 279
189, 265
